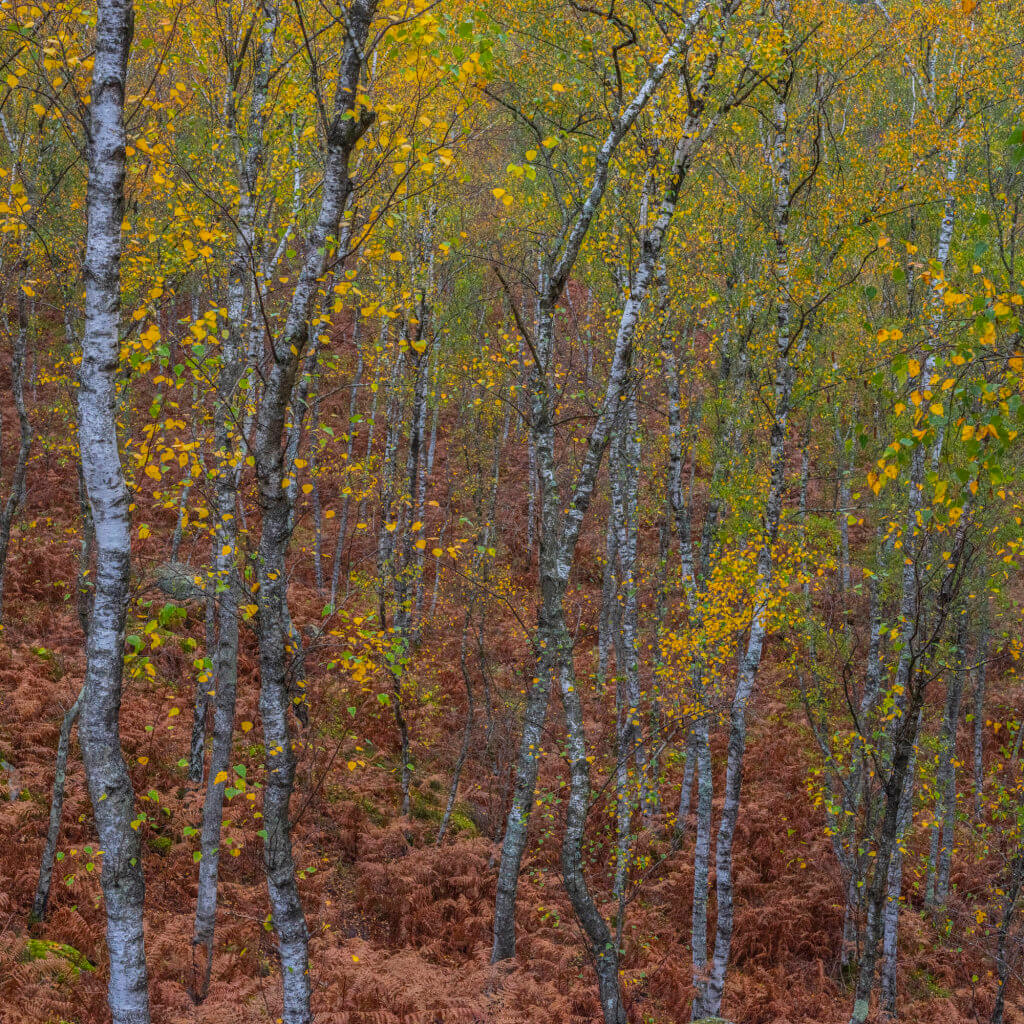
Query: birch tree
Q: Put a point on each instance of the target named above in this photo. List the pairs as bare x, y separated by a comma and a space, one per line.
110, 786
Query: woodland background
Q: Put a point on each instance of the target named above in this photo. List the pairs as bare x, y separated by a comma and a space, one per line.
549, 475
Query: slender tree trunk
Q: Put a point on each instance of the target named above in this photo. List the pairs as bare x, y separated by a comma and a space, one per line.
701, 863
531, 497
343, 132
894, 889
225, 584
710, 995
603, 949
940, 859
978, 745
83, 592
1012, 895
347, 503
910, 610
609, 591
42, 896
16, 496
559, 529
110, 785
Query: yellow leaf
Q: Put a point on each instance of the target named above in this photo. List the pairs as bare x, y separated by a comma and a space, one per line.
246, 726
221, 777
152, 472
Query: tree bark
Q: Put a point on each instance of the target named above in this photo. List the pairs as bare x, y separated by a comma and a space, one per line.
110, 785
559, 529
709, 998
344, 130
16, 495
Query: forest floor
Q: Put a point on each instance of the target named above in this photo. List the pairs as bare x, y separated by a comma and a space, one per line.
400, 928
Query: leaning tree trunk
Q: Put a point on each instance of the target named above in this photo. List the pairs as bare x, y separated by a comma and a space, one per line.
558, 545
110, 786
82, 588
42, 896
560, 525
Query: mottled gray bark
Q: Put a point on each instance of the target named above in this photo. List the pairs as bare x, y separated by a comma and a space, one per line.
910, 612
16, 493
941, 847
346, 504
110, 785
894, 888
608, 592
978, 725
343, 131
225, 584
603, 949
559, 527
42, 895
1011, 897
624, 475
701, 863
709, 995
